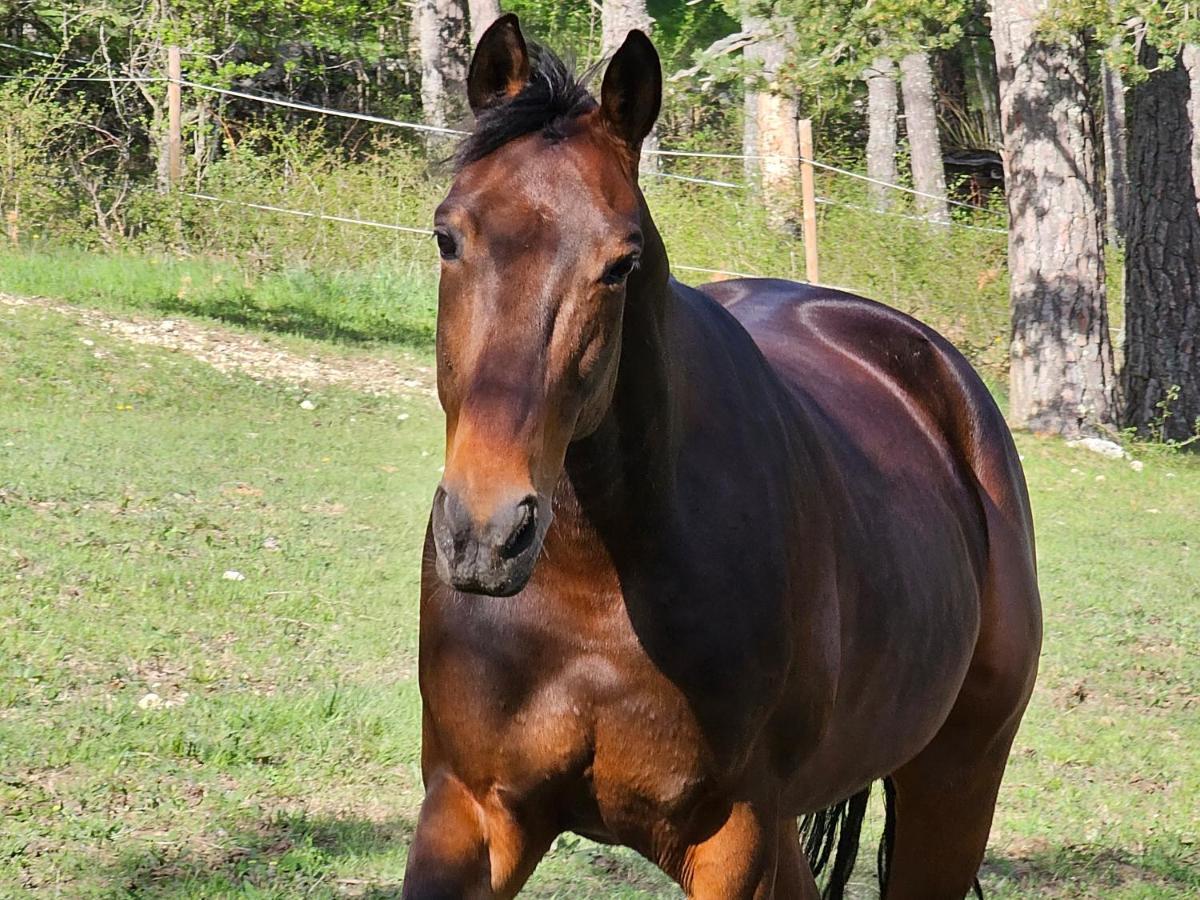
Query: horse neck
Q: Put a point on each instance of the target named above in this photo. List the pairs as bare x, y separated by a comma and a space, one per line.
623, 473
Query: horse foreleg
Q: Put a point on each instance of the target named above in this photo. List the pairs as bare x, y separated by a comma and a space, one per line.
793, 875
752, 856
466, 848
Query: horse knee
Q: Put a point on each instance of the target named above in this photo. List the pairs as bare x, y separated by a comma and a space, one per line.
448, 858
737, 862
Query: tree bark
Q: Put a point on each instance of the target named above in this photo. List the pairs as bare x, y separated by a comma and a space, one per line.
1191, 61
1161, 379
482, 14
617, 19
1061, 374
442, 34
920, 117
1116, 176
753, 54
775, 138
882, 106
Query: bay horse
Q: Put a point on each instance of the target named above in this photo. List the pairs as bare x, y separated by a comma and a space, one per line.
702, 561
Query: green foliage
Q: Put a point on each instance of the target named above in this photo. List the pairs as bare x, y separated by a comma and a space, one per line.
1121, 27
830, 42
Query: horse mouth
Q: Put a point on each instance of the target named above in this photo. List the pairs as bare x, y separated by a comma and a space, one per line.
495, 581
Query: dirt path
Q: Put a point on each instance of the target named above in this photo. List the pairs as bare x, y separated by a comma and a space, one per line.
233, 351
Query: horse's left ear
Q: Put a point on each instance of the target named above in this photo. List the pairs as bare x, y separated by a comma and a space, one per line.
500, 66
631, 94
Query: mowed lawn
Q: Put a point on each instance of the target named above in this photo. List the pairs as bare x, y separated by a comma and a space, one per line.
208, 616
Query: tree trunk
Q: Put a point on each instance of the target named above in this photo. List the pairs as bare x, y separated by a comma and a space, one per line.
983, 68
920, 117
1191, 61
1161, 379
1061, 375
753, 54
1116, 176
882, 105
442, 33
482, 13
617, 19
775, 138
778, 141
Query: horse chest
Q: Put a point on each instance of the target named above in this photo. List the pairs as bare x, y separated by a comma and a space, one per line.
592, 719
622, 746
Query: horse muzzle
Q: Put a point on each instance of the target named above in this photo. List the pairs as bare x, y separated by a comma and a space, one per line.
494, 555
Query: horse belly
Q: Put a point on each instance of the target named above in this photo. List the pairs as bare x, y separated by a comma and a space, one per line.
908, 647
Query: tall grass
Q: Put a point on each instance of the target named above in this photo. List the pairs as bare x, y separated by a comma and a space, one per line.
330, 279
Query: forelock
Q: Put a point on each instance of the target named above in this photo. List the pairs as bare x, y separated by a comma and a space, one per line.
553, 97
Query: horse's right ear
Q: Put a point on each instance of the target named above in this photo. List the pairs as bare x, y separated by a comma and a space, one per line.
631, 93
500, 66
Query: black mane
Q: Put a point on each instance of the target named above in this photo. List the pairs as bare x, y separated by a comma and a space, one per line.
553, 96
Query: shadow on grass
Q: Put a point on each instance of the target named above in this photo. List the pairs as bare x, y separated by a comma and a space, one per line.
286, 856
1045, 870
303, 320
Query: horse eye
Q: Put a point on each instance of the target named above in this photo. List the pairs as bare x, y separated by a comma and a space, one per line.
447, 245
620, 270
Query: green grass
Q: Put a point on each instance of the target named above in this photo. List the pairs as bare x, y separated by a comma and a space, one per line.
282, 758
383, 304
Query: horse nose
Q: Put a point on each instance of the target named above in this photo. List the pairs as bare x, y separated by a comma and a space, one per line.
488, 556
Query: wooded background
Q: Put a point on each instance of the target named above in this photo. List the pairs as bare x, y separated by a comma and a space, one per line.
1091, 106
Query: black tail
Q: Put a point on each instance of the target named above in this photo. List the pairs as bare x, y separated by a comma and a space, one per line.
839, 827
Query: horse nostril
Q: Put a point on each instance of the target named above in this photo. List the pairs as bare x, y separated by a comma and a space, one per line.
523, 531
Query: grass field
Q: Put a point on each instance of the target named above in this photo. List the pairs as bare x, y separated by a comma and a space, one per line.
170, 729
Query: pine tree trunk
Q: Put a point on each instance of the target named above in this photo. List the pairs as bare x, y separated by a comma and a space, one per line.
1191, 61
753, 54
1116, 176
482, 13
920, 117
442, 33
1161, 379
882, 106
617, 19
1061, 375
775, 138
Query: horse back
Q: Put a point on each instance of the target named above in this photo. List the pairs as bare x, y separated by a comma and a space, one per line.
855, 359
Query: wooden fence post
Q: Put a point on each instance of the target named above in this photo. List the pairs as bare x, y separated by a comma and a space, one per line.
808, 193
174, 116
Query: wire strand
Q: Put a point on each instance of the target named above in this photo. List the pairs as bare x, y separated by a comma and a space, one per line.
697, 154
407, 229
308, 107
828, 201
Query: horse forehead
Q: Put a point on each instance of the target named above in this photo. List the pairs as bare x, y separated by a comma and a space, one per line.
534, 183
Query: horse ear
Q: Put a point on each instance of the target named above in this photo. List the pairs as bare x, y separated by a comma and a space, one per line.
500, 66
631, 94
